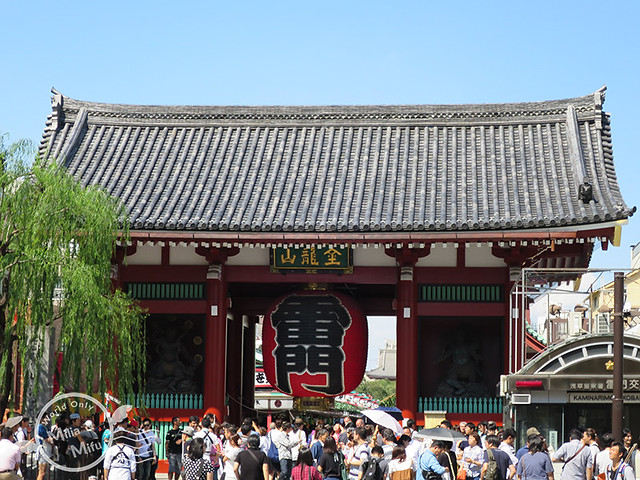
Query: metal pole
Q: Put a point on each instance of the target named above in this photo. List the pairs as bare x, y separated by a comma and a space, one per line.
617, 408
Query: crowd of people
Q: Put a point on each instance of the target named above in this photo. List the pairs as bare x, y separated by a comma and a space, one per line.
344, 450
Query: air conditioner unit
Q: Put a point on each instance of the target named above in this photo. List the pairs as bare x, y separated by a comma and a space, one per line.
521, 399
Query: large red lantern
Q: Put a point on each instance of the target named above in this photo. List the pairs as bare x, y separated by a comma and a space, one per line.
314, 344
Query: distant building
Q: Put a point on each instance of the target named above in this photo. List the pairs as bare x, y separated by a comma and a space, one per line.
386, 362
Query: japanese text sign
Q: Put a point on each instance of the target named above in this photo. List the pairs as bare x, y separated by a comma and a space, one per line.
312, 258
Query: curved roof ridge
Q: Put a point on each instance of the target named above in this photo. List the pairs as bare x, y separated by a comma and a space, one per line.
591, 103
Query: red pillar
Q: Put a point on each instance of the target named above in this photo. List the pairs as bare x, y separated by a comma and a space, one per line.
216, 343
407, 329
407, 347
216, 331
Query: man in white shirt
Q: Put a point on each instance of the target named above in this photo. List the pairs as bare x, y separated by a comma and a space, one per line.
602, 460
119, 460
507, 445
147, 439
212, 446
9, 456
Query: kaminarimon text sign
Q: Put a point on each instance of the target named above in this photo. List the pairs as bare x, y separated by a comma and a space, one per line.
315, 344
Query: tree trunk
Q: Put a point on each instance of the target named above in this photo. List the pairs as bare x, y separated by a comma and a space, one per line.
5, 355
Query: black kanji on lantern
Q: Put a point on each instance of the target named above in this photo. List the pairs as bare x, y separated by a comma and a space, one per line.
309, 337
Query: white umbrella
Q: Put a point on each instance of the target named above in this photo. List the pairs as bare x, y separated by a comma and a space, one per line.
384, 420
441, 434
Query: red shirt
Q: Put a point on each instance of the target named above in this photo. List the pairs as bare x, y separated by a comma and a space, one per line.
304, 472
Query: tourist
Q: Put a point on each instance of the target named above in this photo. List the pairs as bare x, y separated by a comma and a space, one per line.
508, 442
506, 469
187, 438
304, 470
400, 467
388, 443
120, 461
173, 449
535, 464
602, 460
619, 470
230, 454
359, 454
10, 457
317, 444
212, 444
45, 447
195, 466
331, 461
285, 442
448, 459
590, 439
577, 458
473, 457
532, 432
147, 457
299, 437
252, 463
428, 461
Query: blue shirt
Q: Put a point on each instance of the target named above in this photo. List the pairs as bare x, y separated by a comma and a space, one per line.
429, 463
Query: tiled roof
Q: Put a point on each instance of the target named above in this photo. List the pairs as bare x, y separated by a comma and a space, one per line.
344, 168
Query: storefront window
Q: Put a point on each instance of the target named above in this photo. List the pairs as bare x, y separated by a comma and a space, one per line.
547, 419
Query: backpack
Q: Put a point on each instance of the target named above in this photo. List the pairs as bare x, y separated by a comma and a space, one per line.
492, 472
338, 457
372, 470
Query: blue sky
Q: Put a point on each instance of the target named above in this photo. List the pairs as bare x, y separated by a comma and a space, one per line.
259, 53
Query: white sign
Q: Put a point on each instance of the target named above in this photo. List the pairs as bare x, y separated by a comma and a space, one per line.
357, 400
278, 403
597, 397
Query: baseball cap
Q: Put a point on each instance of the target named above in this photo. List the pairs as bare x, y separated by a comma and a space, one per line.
88, 424
74, 416
532, 431
133, 423
491, 425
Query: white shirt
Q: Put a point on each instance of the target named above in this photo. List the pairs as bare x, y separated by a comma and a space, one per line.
231, 453
146, 439
413, 451
509, 450
120, 461
601, 462
210, 442
295, 436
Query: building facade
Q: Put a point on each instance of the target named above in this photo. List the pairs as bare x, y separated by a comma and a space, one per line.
437, 208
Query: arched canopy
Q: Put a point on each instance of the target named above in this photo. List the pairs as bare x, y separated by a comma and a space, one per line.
584, 355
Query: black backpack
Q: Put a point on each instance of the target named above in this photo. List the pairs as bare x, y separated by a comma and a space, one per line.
372, 470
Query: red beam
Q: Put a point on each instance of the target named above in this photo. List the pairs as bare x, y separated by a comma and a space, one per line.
159, 273
263, 274
534, 344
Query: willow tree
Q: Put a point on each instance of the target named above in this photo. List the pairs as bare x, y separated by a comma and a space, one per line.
57, 239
